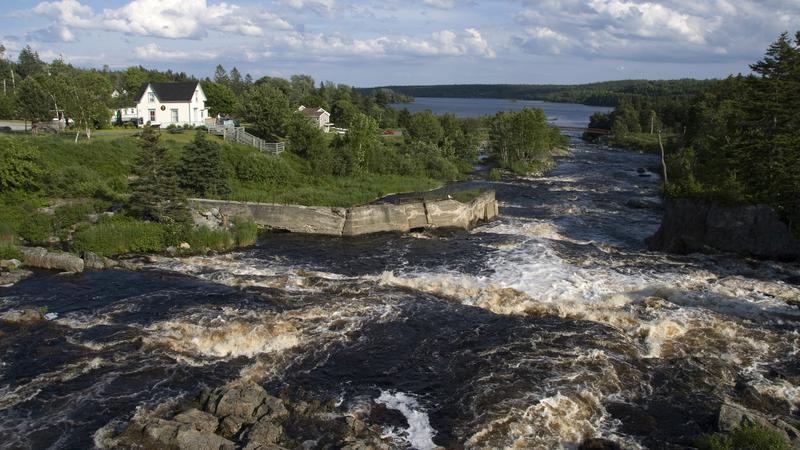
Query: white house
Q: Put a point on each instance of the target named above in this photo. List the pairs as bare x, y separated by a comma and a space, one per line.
166, 104
319, 116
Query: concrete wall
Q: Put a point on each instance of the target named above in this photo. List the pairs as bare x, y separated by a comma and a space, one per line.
349, 221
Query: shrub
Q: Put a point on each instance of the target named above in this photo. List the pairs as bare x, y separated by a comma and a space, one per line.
262, 168
750, 437
120, 236
19, 168
37, 228
204, 238
495, 175
69, 215
8, 244
245, 232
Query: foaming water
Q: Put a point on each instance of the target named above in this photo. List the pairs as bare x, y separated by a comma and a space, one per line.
419, 433
547, 327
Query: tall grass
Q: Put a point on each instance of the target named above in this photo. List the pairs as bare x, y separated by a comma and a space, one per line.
118, 237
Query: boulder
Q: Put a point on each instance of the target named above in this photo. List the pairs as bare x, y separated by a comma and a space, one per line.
272, 408
191, 439
9, 278
265, 432
163, 432
240, 401
94, 261
198, 420
41, 258
10, 264
229, 426
732, 416
693, 225
642, 203
22, 316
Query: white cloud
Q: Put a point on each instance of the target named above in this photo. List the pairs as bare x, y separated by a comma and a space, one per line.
152, 52
175, 19
319, 6
654, 30
441, 43
443, 4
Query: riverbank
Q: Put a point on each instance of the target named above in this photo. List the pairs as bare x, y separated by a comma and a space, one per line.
549, 327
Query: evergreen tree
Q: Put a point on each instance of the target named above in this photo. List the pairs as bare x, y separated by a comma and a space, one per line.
200, 171
155, 193
33, 103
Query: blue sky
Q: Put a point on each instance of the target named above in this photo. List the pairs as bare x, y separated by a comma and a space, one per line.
369, 43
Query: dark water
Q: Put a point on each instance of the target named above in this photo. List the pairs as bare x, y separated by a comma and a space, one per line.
544, 328
565, 114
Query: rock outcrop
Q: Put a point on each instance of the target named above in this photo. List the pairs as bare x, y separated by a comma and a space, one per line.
691, 225
349, 221
41, 258
243, 415
732, 416
22, 316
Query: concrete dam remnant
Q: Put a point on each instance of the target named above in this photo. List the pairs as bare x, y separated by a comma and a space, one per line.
353, 221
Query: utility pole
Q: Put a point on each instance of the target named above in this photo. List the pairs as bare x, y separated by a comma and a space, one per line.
663, 159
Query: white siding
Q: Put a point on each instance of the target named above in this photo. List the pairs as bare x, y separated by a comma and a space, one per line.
164, 118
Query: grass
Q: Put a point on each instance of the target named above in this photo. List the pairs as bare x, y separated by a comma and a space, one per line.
750, 437
330, 191
121, 236
468, 195
645, 142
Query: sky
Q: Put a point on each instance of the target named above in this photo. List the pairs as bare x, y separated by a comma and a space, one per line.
368, 43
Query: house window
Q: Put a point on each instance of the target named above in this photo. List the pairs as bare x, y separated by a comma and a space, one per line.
152, 115
151, 97
174, 114
195, 114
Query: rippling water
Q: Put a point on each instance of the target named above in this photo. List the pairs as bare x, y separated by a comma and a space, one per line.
544, 328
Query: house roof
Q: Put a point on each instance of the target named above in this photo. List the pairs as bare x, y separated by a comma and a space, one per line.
171, 92
312, 112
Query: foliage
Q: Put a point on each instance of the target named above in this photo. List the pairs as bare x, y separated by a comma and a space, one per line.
245, 232
200, 170
155, 193
120, 236
750, 437
37, 228
204, 239
361, 139
19, 166
742, 141
468, 195
9, 251
522, 139
495, 175
607, 93
424, 127
267, 108
33, 103
220, 99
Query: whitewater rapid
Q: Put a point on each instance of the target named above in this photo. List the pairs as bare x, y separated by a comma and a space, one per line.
542, 329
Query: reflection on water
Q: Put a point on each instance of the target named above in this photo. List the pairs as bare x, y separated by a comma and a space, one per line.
539, 330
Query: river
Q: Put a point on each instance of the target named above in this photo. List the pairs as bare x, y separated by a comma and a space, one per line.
564, 114
548, 326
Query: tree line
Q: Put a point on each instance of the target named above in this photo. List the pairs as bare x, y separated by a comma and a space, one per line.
737, 141
607, 93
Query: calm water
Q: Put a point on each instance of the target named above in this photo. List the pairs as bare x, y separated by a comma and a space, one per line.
565, 114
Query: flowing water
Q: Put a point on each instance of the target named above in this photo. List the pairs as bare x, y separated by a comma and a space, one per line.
548, 326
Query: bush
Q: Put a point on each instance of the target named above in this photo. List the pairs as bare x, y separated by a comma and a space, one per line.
69, 215
245, 232
204, 238
120, 236
19, 167
37, 228
262, 168
750, 437
8, 244
495, 175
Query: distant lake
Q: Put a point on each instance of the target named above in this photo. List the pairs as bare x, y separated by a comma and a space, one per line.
567, 114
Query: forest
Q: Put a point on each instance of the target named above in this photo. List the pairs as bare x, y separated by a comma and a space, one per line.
606, 93
735, 142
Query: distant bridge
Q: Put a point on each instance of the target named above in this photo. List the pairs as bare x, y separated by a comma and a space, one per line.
599, 131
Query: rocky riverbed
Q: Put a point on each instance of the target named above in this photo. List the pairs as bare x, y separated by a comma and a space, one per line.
551, 327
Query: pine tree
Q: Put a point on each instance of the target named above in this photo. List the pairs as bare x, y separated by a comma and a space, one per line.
200, 171
156, 195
